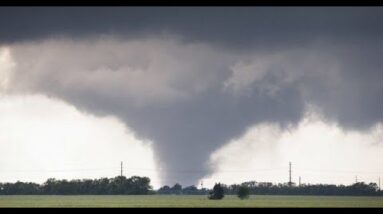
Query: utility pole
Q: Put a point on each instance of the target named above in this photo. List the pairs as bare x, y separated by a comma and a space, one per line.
289, 173
379, 183
356, 179
299, 181
121, 168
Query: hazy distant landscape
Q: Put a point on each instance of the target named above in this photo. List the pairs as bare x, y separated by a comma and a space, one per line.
137, 192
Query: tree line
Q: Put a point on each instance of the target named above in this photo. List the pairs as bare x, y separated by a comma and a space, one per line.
268, 188
119, 185
136, 185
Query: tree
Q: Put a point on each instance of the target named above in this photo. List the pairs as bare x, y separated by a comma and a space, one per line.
190, 190
243, 192
164, 190
138, 185
217, 193
176, 189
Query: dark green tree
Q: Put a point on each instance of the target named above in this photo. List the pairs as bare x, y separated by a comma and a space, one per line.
191, 190
217, 193
176, 189
243, 192
164, 190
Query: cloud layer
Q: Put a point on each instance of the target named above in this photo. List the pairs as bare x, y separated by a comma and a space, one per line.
320, 152
191, 80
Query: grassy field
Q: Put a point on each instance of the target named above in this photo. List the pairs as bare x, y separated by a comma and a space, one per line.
189, 201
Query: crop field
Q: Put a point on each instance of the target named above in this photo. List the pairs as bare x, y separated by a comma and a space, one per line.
188, 201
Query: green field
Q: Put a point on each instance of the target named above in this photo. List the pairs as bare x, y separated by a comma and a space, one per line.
189, 201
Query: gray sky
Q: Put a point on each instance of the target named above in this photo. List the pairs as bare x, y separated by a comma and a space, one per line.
192, 80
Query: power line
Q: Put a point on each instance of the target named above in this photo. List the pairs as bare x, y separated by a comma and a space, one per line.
340, 171
57, 170
121, 168
137, 169
289, 173
259, 170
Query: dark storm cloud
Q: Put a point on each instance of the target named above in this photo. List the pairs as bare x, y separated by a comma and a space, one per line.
238, 26
208, 74
355, 99
169, 92
188, 132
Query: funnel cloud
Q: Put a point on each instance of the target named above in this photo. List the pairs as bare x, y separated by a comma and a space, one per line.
191, 80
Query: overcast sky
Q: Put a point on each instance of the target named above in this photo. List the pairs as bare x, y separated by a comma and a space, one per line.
191, 95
